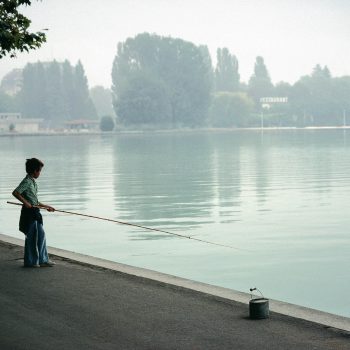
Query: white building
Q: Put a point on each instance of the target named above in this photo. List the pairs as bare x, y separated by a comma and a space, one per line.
13, 122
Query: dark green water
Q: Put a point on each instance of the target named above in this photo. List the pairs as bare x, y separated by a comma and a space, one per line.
280, 197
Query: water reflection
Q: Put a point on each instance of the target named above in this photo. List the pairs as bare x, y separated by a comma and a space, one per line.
190, 180
64, 177
226, 167
182, 180
69, 166
163, 180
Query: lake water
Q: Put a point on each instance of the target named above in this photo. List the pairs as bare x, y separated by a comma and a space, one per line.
280, 197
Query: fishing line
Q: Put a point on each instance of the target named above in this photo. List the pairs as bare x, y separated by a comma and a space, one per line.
139, 226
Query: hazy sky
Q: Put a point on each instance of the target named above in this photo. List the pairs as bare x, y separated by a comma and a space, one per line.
292, 35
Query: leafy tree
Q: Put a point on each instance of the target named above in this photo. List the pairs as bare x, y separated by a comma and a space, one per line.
341, 97
322, 104
56, 108
313, 99
144, 101
260, 83
282, 89
68, 88
300, 97
191, 87
56, 92
27, 94
83, 106
226, 72
14, 29
321, 73
161, 80
7, 103
107, 123
11, 83
230, 109
102, 99
41, 91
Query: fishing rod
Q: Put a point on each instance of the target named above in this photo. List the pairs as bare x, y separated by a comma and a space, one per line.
134, 225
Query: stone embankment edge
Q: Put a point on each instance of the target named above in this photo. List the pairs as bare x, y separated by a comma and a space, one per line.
295, 311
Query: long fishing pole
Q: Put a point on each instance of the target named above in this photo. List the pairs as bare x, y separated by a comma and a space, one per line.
135, 225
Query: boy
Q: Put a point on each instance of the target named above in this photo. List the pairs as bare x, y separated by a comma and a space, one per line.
31, 222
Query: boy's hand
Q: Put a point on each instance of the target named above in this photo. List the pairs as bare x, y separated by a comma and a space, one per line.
48, 208
28, 205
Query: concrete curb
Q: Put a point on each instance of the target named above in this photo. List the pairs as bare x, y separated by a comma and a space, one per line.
300, 312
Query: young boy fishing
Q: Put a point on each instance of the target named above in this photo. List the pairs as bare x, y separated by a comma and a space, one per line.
31, 221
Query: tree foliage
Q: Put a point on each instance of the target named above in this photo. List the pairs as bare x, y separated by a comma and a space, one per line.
319, 104
14, 29
167, 82
161, 81
7, 103
107, 123
56, 92
226, 73
230, 109
144, 101
102, 99
260, 84
319, 99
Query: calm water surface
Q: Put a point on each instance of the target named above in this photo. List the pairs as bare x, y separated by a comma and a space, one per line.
280, 197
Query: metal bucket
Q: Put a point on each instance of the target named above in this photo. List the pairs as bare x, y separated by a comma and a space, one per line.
258, 307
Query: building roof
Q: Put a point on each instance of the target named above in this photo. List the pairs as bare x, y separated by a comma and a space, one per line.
81, 121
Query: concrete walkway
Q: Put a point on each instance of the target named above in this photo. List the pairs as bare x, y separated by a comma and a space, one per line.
79, 306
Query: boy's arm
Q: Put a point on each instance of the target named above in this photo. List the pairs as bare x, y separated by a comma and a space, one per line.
27, 204
21, 199
47, 207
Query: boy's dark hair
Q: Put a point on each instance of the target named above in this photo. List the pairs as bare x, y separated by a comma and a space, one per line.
33, 164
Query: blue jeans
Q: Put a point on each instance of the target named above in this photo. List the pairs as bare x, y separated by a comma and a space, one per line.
35, 251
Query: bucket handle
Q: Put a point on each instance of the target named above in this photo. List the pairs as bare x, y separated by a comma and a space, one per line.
252, 289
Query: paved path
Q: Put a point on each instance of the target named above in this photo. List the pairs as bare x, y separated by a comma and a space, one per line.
73, 306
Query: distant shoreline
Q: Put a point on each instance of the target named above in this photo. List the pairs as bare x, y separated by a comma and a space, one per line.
117, 132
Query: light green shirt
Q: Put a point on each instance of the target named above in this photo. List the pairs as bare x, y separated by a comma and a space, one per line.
28, 188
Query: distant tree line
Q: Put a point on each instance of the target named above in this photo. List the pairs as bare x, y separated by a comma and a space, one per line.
162, 82
55, 92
